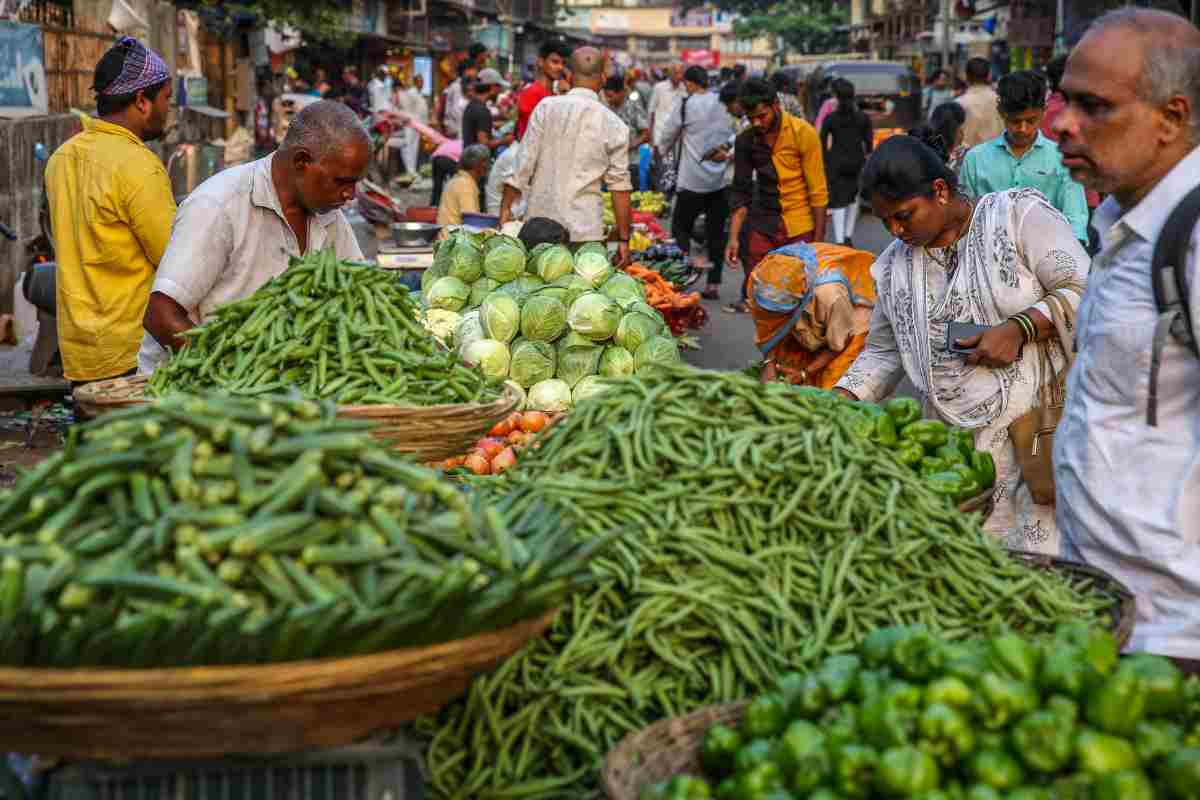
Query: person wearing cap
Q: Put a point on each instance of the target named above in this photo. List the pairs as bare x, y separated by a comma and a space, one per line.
698, 130
379, 90
242, 227
111, 208
477, 117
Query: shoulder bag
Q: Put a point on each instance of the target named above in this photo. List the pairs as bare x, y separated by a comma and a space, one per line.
670, 175
1033, 433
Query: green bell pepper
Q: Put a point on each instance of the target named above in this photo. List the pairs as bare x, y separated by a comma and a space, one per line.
688, 787
903, 410
854, 770
909, 454
1128, 784
1029, 793
916, 655
1015, 656
1064, 708
878, 645
929, 433
1001, 700
946, 734
1044, 741
950, 453
948, 691
971, 485
719, 749
964, 440
1097, 644
752, 754
656, 791
1073, 786
1154, 740
764, 717
824, 793
985, 467
800, 753
728, 788
981, 791
997, 769
1117, 704
1065, 670
907, 771
809, 699
950, 485
1098, 753
838, 674
964, 661
992, 740
869, 683
885, 431
758, 781
1181, 774
840, 725
1163, 683
933, 465
889, 717
859, 425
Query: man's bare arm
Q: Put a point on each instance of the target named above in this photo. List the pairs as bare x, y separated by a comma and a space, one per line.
165, 320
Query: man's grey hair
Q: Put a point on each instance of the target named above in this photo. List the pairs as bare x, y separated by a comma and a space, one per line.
1170, 55
474, 155
324, 126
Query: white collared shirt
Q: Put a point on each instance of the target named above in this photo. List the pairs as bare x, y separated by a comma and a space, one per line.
229, 238
1128, 493
665, 98
574, 146
703, 123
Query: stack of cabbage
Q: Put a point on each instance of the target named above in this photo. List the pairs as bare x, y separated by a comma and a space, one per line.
553, 324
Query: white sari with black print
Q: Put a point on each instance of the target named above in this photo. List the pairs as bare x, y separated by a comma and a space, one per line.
1017, 250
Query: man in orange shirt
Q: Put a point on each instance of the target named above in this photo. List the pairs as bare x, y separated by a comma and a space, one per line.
781, 156
552, 60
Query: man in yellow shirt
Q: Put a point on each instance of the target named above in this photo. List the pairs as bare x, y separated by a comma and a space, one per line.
111, 208
461, 195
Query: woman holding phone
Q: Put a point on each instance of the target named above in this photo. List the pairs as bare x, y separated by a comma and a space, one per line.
990, 263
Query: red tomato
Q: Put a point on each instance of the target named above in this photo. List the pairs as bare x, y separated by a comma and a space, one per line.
478, 463
490, 446
506, 460
533, 421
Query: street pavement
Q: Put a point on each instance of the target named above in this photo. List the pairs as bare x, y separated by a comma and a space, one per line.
727, 341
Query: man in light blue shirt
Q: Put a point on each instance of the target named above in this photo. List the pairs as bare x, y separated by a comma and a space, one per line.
1022, 157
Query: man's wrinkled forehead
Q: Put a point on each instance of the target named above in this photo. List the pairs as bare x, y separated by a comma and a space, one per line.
1106, 64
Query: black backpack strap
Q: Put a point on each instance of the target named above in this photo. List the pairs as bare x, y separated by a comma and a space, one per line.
1168, 273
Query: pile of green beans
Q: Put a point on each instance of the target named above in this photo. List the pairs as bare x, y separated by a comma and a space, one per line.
769, 537
220, 530
331, 330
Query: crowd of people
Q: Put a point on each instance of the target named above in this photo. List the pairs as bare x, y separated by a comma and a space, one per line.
985, 301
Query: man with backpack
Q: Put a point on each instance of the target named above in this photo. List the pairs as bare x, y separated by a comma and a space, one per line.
1127, 451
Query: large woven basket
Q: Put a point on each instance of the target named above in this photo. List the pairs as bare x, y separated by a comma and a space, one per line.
204, 712
672, 746
429, 433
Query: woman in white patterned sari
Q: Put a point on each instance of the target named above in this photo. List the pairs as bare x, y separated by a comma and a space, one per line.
989, 262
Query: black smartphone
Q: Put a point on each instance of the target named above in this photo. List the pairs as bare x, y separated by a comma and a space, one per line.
962, 330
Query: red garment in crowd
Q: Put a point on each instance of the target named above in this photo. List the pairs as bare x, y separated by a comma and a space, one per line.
1054, 107
530, 97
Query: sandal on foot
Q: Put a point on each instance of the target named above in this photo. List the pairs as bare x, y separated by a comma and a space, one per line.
736, 308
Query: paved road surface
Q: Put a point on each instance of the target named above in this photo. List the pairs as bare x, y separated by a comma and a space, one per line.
727, 342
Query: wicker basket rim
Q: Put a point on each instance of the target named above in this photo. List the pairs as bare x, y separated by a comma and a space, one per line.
149, 682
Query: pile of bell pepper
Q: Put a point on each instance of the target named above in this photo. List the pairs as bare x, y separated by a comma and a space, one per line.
944, 456
912, 715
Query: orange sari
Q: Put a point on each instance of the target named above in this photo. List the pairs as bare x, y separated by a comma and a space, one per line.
837, 310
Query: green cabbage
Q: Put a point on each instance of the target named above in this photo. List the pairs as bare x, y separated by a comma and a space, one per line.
573, 339
644, 308
531, 362
442, 323
480, 289
616, 362
466, 261
590, 386
520, 390
500, 316
470, 329
449, 293
575, 287
489, 355
634, 329
656, 352
505, 260
543, 318
442, 250
522, 287
553, 263
593, 247
499, 239
623, 288
575, 363
430, 276
550, 395
592, 265
595, 316
556, 292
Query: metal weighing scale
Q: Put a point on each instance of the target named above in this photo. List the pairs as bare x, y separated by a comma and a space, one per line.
414, 257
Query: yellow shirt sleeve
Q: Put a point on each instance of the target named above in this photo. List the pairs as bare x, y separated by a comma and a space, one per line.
460, 197
151, 205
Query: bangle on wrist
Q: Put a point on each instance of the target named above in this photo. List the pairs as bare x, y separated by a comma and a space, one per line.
1025, 323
